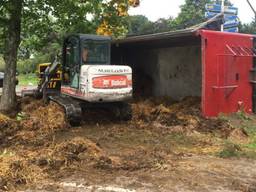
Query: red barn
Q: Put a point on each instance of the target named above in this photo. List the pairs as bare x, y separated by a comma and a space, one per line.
217, 66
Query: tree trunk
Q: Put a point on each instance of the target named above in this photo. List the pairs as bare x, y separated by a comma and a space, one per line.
8, 99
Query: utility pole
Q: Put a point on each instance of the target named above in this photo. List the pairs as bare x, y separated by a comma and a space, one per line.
222, 11
254, 11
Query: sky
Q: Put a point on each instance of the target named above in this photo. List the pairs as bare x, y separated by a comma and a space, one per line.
166, 8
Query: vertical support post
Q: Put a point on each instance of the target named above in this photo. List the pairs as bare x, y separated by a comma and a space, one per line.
254, 84
222, 11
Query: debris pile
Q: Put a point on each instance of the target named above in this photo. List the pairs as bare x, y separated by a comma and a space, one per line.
67, 153
9, 127
28, 166
39, 144
6, 122
181, 117
16, 170
25, 139
38, 116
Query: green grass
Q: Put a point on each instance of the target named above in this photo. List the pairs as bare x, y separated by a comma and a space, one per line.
252, 145
230, 150
181, 140
246, 122
28, 79
238, 151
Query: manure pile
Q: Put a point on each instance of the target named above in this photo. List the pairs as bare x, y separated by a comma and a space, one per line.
31, 154
177, 117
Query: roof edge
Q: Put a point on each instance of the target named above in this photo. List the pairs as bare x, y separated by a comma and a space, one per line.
156, 36
192, 31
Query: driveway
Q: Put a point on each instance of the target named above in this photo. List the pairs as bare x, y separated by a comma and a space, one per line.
20, 88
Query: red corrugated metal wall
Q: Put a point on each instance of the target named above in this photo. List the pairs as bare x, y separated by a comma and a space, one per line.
227, 59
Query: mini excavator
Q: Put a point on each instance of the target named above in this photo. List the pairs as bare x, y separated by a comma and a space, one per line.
85, 79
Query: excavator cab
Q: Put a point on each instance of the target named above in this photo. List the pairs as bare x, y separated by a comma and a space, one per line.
83, 49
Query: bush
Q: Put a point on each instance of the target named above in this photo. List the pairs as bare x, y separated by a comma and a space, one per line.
30, 65
25, 66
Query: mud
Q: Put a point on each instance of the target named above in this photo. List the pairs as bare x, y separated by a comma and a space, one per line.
167, 146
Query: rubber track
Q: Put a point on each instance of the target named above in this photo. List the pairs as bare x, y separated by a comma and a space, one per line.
72, 108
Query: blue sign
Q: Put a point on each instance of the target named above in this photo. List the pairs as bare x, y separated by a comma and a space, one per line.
213, 8
232, 30
227, 17
231, 10
210, 15
232, 23
216, 8
230, 20
230, 17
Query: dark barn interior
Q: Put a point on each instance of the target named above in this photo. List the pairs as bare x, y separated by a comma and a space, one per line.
164, 64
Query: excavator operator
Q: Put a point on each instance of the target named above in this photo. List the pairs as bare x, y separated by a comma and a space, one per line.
85, 54
74, 81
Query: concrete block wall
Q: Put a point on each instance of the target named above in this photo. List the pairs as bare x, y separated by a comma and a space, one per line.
171, 71
180, 72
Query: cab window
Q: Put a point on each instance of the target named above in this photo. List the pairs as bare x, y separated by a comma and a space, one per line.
72, 52
95, 52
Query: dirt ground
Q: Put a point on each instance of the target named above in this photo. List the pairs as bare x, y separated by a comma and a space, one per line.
167, 146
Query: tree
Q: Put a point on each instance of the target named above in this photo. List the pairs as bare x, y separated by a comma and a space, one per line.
192, 13
111, 22
12, 31
163, 25
103, 17
138, 25
251, 27
36, 20
248, 28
